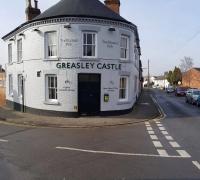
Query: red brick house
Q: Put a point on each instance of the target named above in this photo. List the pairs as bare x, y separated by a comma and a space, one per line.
191, 78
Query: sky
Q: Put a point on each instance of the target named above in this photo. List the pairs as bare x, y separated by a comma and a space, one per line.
168, 29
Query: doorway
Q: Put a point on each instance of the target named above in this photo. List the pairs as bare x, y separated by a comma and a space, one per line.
89, 94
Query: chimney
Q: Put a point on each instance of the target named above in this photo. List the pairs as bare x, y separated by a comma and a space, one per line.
32, 12
114, 5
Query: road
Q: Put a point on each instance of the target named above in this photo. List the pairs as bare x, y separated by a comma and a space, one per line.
160, 149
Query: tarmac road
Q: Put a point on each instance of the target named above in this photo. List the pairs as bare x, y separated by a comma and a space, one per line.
160, 149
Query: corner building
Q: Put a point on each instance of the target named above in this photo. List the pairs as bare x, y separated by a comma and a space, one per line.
79, 57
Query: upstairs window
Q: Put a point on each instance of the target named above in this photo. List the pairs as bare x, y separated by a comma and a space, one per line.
51, 44
10, 78
123, 88
136, 57
124, 47
9, 53
51, 88
19, 50
89, 44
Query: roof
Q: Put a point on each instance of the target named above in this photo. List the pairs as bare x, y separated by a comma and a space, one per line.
160, 78
198, 69
80, 8
77, 8
2, 70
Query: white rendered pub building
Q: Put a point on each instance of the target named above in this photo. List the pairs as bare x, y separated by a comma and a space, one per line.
79, 57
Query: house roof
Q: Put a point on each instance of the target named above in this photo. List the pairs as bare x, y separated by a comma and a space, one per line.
2, 70
80, 8
160, 78
77, 8
198, 69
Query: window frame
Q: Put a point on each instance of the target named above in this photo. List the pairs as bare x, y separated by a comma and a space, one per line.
10, 84
47, 88
122, 88
127, 49
19, 51
47, 45
95, 44
10, 53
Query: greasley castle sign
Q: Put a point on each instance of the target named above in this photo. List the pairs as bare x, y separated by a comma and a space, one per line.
88, 65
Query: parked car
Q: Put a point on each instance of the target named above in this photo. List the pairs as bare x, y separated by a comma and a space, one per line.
170, 89
192, 96
198, 101
181, 91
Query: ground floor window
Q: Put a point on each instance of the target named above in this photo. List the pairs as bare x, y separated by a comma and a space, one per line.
51, 87
20, 85
136, 84
123, 88
10, 79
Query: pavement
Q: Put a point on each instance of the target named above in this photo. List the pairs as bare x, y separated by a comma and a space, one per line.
146, 109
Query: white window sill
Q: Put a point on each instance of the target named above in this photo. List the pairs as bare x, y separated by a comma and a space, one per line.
19, 62
89, 58
121, 102
125, 61
51, 103
51, 59
11, 95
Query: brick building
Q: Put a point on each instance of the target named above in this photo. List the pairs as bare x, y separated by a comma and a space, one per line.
2, 86
191, 78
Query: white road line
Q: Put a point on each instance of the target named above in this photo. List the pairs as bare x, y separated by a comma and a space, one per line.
164, 132
149, 129
116, 153
170, 138
183, 153
196, 164
160, 108
157, 122
147, 123
157, 144
174, 144
162, 152
3, 140
162, 128
151, 132
159, 125
154, 137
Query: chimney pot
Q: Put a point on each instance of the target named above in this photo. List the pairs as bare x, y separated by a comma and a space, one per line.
36, 4
31, 12
114, 5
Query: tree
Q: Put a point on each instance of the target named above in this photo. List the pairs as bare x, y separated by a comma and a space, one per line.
170, 77
177, 76
186, 64
174, 76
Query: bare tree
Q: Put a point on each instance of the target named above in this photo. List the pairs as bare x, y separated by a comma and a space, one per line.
186, 64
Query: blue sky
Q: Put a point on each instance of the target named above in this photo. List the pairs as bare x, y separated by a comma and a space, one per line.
169, 29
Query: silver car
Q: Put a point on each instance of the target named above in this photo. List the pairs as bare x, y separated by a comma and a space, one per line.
192, 96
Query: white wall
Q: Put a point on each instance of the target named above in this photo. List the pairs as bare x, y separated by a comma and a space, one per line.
70, 50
